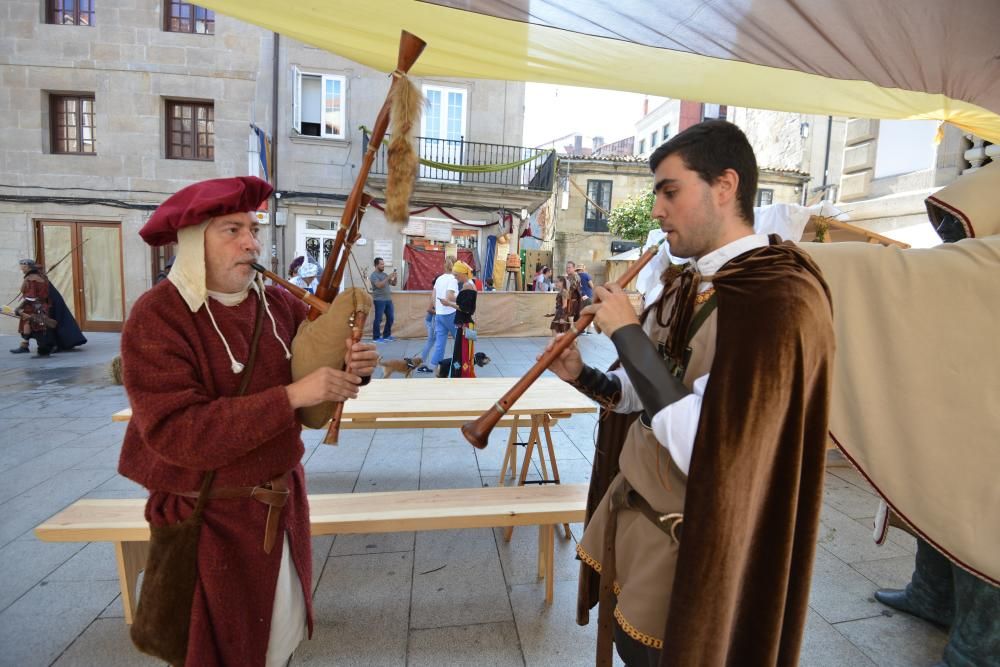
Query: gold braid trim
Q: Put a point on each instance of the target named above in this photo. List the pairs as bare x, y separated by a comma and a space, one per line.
635, 633
593, 563
588, 559
630, 630
704, 296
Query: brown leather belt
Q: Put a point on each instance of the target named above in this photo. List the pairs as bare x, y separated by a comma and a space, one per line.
274, 494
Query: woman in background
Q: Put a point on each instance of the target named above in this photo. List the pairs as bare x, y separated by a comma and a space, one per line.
560, 320
464, 354
306, 277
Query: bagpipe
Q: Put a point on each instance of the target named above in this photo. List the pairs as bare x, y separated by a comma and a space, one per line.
347, 309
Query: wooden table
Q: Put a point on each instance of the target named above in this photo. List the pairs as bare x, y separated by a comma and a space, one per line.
451, 402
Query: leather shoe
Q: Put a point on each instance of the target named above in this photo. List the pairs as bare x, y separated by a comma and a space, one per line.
898, 600
19, 350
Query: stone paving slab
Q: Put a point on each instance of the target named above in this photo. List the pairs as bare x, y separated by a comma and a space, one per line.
100, 644
362, 610
487, 644
895, 640
824, 646
434, 598
457, 580
39, 626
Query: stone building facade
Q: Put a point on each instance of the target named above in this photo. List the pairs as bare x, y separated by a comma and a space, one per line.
587, 187
111, 76
90, 198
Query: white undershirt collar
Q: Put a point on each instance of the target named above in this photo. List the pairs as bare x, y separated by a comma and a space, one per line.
710, 264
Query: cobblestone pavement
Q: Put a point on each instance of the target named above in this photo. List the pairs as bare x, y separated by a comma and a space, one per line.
436, 598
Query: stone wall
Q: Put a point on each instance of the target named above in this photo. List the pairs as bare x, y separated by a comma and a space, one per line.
131, 66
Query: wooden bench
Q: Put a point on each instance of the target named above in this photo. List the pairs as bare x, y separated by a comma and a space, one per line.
122, 521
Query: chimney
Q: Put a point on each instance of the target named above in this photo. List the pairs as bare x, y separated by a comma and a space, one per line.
645, 107
578, 144
598, 142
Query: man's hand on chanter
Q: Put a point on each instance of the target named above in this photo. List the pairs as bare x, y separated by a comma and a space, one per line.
567, 365
613, 311
364, 358
323, 384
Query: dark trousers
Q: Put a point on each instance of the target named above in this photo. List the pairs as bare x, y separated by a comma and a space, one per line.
383, 307
968, 604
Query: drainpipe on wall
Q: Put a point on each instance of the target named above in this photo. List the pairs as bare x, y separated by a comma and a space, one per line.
826, 159
274, 162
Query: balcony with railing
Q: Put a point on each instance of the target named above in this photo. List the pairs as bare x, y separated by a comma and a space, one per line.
473, 163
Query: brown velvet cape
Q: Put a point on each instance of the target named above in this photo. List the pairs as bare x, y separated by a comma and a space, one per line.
755, 483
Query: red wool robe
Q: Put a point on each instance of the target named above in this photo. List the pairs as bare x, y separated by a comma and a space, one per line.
186, 420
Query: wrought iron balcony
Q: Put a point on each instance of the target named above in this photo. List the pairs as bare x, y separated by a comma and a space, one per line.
477, 163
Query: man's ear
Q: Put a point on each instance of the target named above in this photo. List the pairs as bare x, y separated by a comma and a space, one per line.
726, 187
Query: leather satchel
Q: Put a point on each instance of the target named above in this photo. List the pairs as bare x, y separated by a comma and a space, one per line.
163, 617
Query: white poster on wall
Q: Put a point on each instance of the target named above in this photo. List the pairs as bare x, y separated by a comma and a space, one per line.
437, 231
383, 248
415, 227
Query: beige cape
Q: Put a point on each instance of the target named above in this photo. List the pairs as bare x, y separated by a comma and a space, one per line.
916, 390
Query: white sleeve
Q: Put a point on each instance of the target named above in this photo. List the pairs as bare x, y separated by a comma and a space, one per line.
629, 401
676, 425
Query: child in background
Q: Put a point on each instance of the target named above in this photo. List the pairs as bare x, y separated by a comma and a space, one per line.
560, 321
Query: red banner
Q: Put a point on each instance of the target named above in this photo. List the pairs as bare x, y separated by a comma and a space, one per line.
426, 265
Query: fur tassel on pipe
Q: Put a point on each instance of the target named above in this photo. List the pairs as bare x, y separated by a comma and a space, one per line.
402, 158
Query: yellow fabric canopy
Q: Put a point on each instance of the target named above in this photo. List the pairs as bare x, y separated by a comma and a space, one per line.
923, 59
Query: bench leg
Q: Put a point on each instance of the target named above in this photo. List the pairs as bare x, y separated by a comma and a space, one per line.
552, 459
550, 544
541, 552
131, 558
546, 559
525, 464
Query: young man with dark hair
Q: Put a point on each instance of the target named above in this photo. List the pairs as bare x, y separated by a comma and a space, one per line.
720, 433
382, 296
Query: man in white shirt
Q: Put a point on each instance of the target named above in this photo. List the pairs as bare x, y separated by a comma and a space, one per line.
736, 350
445, 291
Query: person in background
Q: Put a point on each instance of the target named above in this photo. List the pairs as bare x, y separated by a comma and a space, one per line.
165, 271
534, 280
445, 291
34, 310
293, 268
560, 321
585, 287
429, 324
464, 354
543, 280
382, 296
67, 333
489, 286
573, 301
306, 277
431, 333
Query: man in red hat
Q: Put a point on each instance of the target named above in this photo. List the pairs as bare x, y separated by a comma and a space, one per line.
186, 348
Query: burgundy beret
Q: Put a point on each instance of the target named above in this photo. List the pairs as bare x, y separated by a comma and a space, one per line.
197, 203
